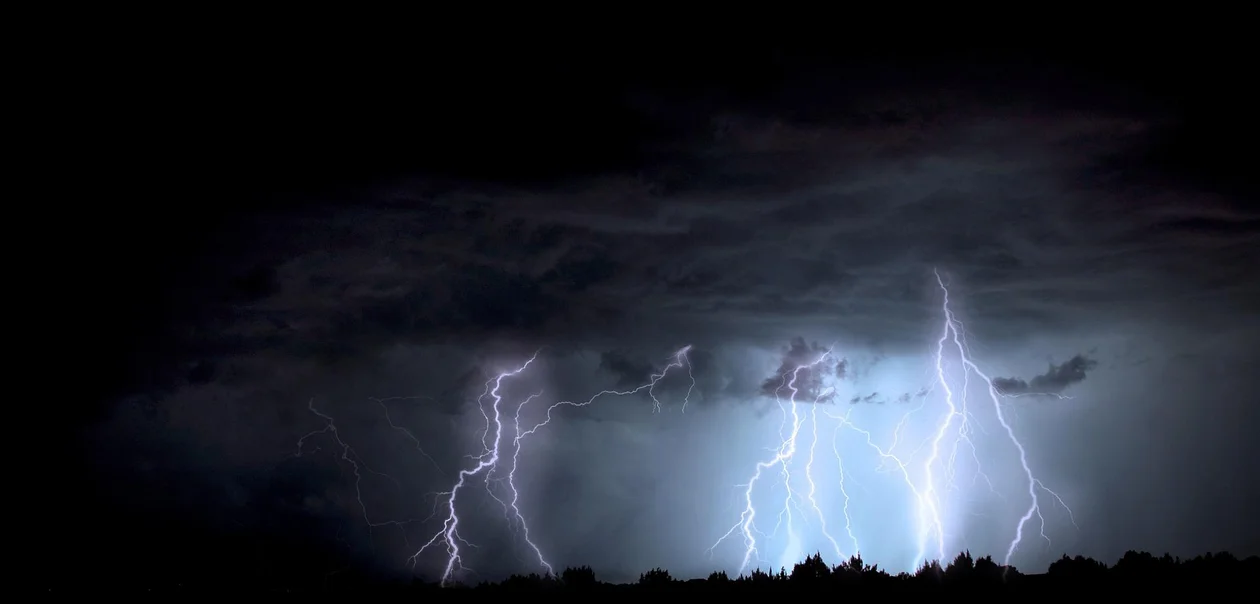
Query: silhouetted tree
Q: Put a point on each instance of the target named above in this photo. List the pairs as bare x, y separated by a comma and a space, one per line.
871, 573
657, 577
849, 571
855, 564
987, 570
530, 581
810, 572
1078, 569
1134, 572
580, 577
759, 577
1143, 567
961, 569
930, 571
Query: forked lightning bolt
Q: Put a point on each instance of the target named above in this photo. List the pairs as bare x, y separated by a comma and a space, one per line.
350, 456
953, 329
782, 459
487, 464
928, 472
928, 469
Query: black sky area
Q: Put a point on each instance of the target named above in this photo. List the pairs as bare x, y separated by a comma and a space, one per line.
330, 223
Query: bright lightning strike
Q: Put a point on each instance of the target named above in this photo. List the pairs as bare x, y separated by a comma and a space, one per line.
953, 329
783, 456
487, 464
930, 472
827, 512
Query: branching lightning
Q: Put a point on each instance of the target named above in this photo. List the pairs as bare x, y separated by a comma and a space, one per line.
487, 462
783, 456
813, 500
953, 329
495, 466
929, 472
351, 457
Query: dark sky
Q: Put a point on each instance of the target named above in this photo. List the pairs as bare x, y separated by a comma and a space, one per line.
292, 235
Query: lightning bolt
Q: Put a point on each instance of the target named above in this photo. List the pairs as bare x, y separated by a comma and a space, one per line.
783, 455
358, 466
929, 471
449, 535
487, 463
813, 487
930, 467
953, 330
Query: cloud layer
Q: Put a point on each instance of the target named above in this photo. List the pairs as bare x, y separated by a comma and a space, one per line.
1054, 381
731, 230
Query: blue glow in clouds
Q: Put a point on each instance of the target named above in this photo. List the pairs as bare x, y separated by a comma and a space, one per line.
899, 480
902, 487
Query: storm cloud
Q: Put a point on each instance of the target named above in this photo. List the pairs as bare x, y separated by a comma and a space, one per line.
730, 224
1055, 380
802, 373
629, 373
419, 292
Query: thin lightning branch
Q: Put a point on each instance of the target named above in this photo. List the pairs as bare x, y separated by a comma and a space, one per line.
844, 492
350, 456
930, 471
782, 458
931, 502
405, 431
449, 533
487, 463
682, 356
954, 327
680, 360
927, 521
930, 465
813, 487
516, 495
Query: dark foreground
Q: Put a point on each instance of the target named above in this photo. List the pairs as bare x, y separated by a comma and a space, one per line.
1135, 572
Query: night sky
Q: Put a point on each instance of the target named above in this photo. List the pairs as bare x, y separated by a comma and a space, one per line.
292, 236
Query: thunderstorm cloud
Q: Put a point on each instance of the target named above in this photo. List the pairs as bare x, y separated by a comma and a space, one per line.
803, 369
629, 372
608, 233
1054, 381
842, 369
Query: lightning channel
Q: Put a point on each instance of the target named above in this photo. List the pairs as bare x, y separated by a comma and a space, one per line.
357, 465
813, 487
933, 450
448, 536
936, 471
493, 459
1034, 485
783, 454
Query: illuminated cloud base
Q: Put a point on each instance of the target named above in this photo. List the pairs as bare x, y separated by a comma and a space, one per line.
899, 489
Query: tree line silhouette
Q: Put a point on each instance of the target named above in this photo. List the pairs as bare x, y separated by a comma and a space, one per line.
1135, 571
